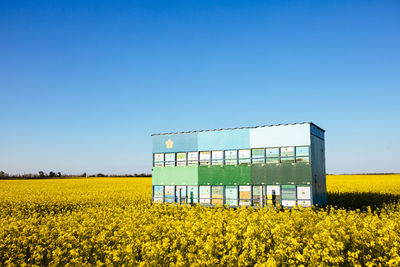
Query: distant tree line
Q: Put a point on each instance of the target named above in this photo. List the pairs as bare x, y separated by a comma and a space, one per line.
52, 174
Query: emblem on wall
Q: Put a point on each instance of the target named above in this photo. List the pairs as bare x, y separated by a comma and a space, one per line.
169, 143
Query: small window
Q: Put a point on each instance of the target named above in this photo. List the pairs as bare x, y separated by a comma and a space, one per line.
217, 157
181, 159
193, 158
231, 157
169, 159
303, 154
287, 154
159, 160
244, 156
257, 155
205, 158
272, 155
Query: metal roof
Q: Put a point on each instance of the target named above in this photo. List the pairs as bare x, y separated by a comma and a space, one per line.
271, 125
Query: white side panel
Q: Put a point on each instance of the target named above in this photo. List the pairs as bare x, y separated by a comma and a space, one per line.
303, 192
271, 188
280, 136
288, 203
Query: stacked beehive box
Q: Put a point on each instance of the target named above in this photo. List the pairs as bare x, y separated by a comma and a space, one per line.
265, 165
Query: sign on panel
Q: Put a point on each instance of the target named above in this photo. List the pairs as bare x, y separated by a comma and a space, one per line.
170, 190
193, 155
159, 157
287, 151
170, 157
217, 191
231, 192
245, 192
302, 151
217, 155
205, 191
158, 191
231, 154
257, 152
257, 190
304, 203
303, 192
181, 159
244, 153
205, 155
180, 156
288, 203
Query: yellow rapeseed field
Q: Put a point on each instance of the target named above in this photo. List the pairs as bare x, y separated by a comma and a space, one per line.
111, 221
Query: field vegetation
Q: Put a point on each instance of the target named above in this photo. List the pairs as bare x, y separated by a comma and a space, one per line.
111, 221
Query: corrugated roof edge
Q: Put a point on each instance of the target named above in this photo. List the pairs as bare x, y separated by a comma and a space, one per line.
241, 128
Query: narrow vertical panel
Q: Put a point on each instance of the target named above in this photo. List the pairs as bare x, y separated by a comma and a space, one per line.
245, 195
205, 194
231, 195
181, 193
318, 170
169, 194
257, 195
217, 195
273, 195
193, 193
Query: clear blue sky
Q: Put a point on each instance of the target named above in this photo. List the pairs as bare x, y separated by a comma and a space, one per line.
84, 83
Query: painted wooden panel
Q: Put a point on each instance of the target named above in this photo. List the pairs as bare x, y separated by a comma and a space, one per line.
280, 136
223, 140
225, 175
185, 142
182, 175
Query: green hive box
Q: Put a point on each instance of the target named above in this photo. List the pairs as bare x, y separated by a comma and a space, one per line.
294, 155
175, 175
225, 175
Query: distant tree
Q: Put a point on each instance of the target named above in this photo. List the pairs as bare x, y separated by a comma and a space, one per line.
52, 174
59, 174
100, 175
41, 174
84, 174
3, 174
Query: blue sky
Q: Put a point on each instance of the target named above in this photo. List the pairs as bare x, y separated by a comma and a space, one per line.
84, 83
